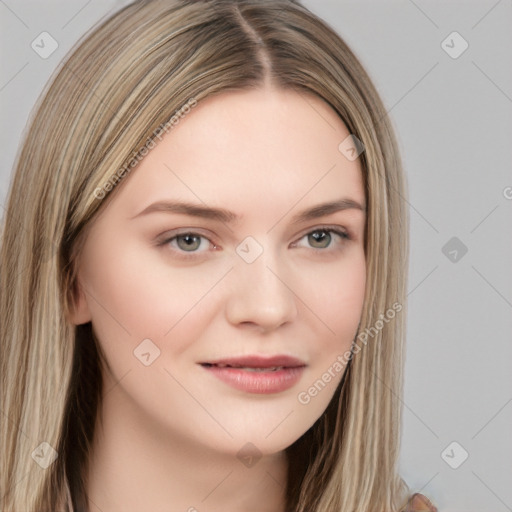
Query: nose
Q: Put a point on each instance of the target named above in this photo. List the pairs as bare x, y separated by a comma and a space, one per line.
261, 294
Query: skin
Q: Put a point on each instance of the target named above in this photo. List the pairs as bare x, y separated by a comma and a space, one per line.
171, 431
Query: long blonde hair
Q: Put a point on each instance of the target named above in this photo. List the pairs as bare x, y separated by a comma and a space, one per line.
124, 79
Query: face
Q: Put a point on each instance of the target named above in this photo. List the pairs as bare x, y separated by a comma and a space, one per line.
253, 273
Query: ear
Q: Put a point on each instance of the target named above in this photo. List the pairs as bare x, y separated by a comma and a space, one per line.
79, 308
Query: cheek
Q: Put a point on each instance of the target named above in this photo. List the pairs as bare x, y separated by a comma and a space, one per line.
346, 304
334, 293
134, 295
337, 300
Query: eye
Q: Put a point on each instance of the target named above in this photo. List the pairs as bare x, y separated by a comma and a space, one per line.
188, 242
322, 238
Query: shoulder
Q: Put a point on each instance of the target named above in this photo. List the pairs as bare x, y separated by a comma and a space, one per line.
419, 503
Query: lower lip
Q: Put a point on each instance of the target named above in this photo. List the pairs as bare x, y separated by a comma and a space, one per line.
261, 382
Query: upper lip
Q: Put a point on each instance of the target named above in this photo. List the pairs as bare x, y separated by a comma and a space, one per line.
258, 361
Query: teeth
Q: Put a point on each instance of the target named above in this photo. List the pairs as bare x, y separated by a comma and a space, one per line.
272, 369
250, 369
247, 368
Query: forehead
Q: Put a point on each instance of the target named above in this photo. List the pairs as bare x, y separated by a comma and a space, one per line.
262, 147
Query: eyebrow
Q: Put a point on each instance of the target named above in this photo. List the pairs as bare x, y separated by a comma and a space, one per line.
229, 217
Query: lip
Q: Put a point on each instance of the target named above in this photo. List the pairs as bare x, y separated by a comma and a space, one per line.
275, 373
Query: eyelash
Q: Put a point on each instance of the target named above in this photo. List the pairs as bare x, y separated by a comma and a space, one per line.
193, 254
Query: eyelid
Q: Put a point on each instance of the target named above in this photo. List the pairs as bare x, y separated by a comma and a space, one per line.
172, 233
327, 227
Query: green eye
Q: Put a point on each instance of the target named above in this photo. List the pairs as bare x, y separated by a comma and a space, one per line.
319, 239
322, 238
188, 242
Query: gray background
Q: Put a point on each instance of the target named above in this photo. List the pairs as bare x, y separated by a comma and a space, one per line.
454, 122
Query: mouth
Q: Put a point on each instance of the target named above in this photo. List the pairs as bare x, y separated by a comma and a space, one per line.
257, 374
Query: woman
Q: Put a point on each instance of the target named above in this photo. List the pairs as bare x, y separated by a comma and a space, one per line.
207, 305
